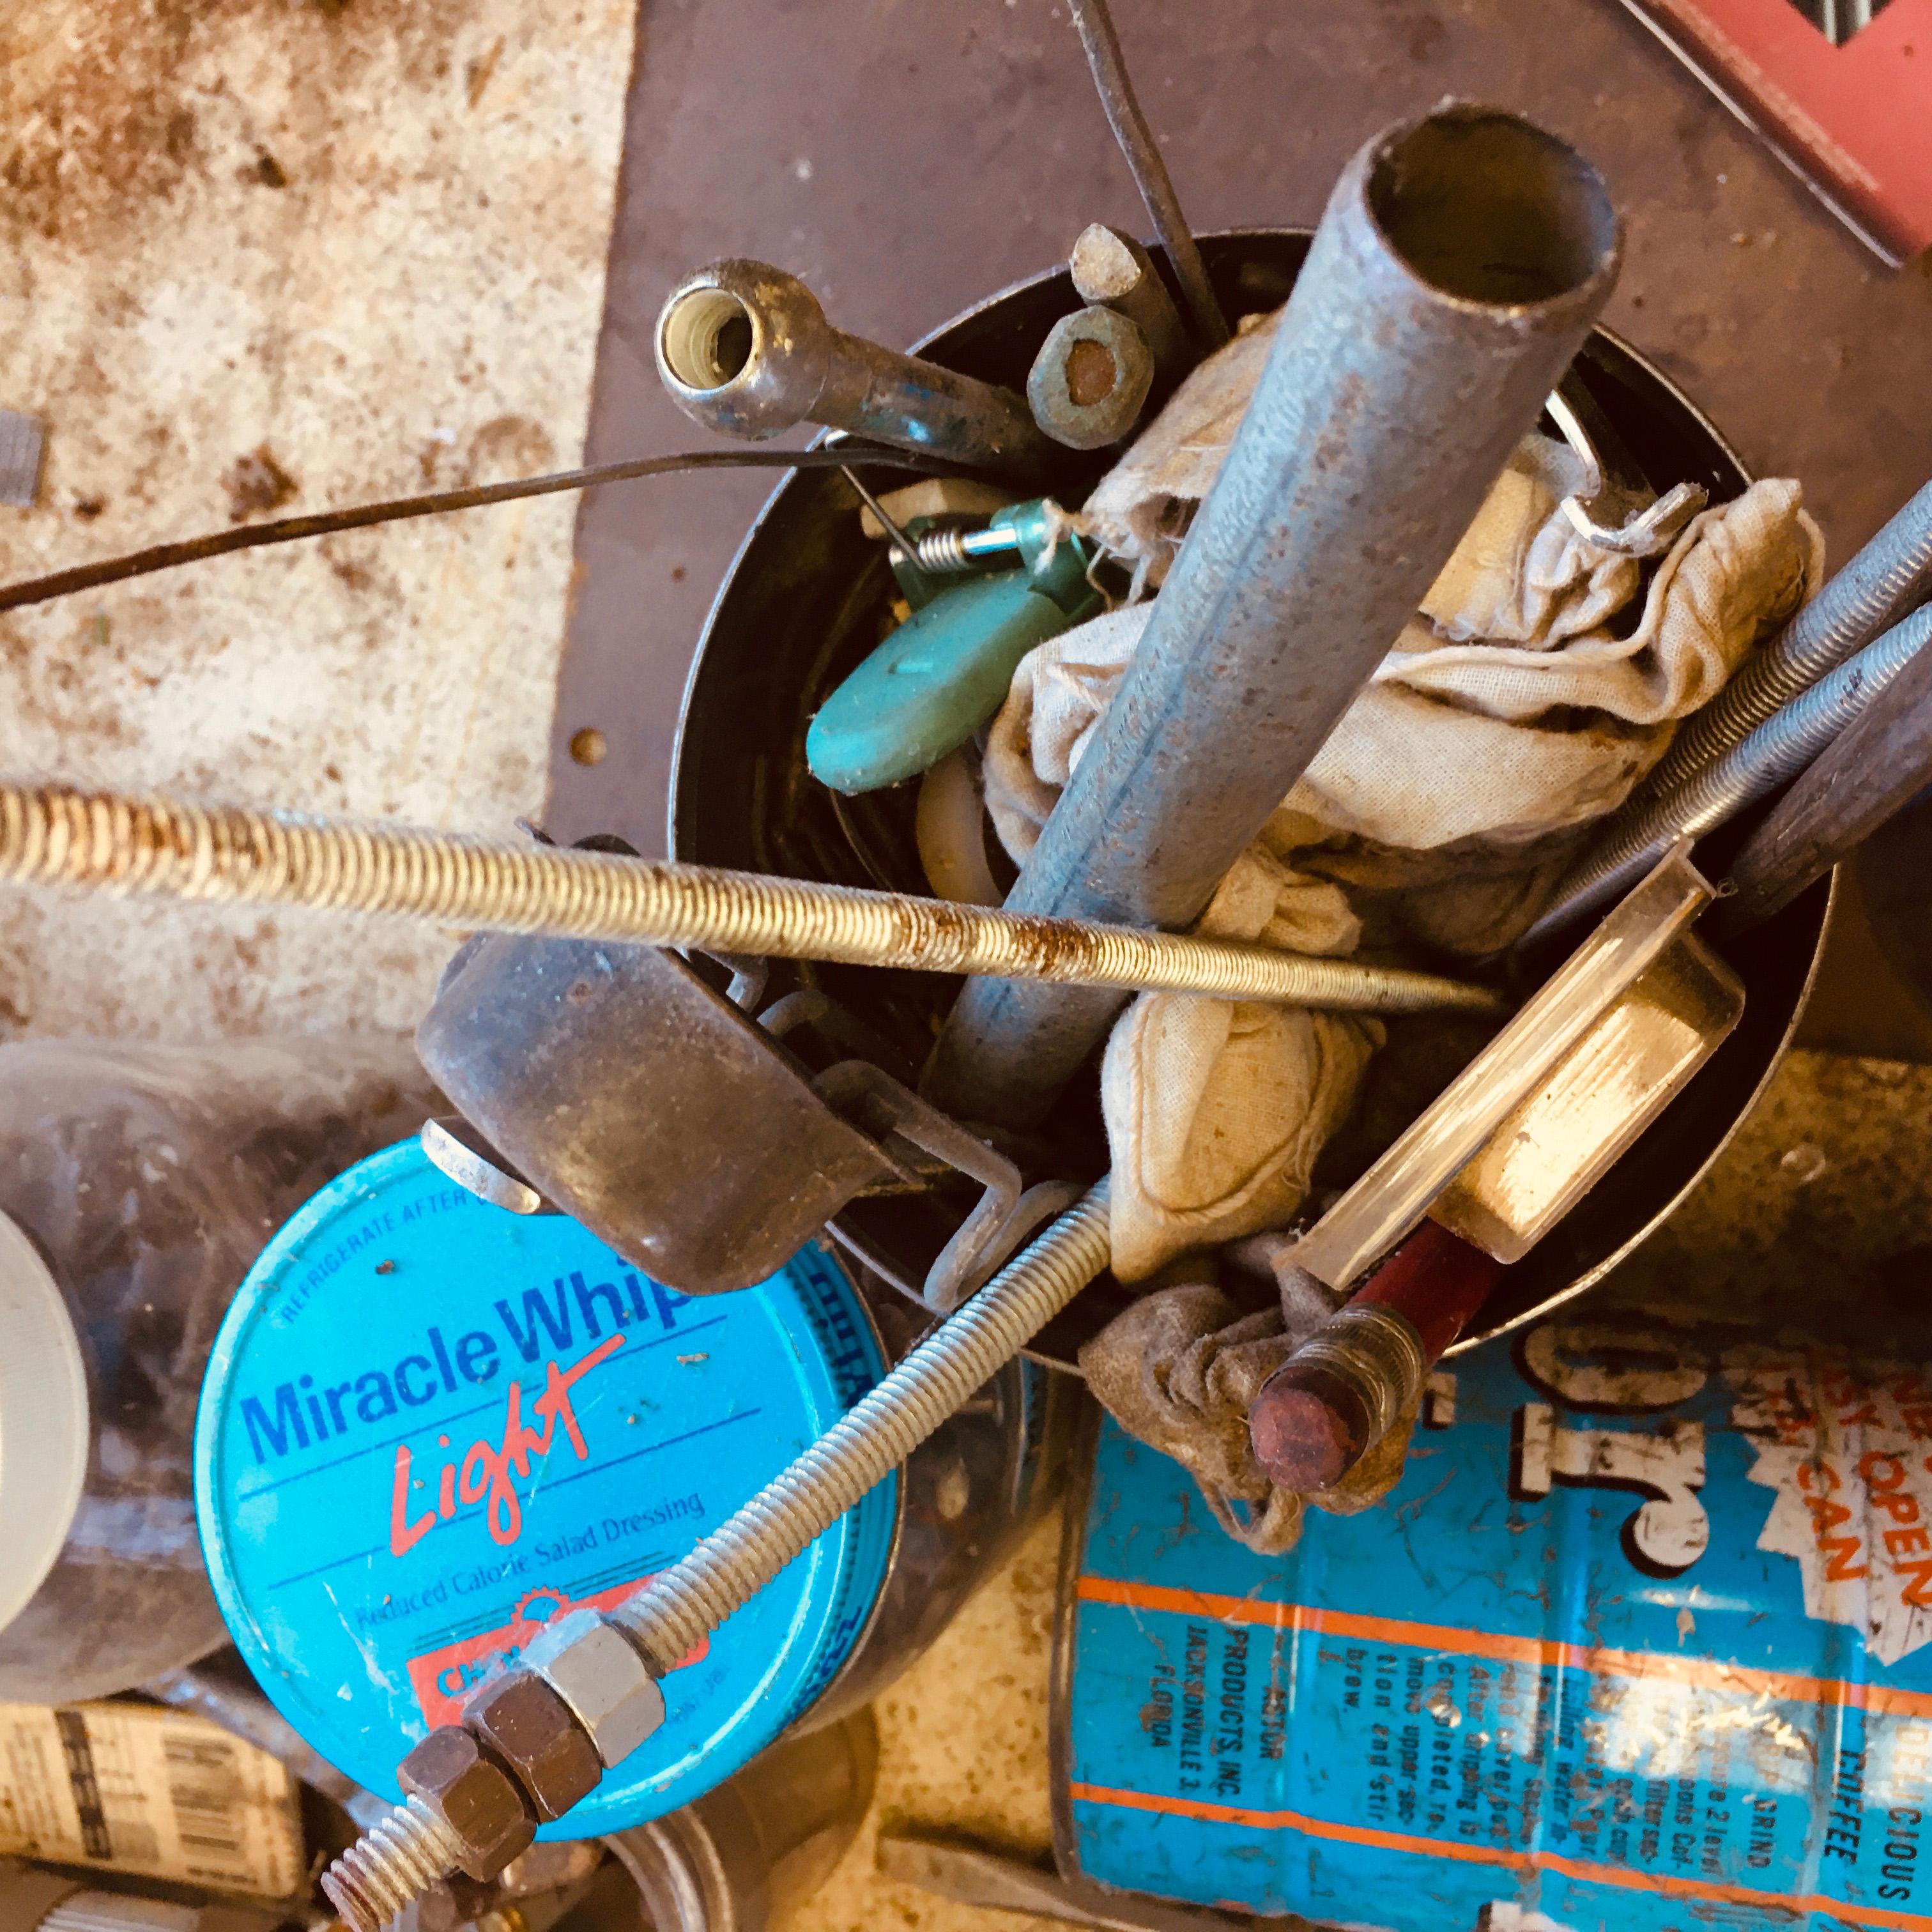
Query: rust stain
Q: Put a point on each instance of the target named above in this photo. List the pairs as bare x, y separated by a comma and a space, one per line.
478, 73
507, 447
257, 483
105, 109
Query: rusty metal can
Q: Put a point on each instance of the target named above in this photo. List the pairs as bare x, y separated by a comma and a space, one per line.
1643, 1638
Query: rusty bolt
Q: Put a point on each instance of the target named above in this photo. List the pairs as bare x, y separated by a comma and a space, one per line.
452, 1774
524, 1722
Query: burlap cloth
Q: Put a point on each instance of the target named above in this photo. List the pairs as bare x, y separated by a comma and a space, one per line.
1541, 679
1514, 710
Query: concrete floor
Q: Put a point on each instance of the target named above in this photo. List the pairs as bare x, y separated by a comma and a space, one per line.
962, 1744
369, 238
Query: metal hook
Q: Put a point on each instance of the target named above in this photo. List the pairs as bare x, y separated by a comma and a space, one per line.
1598, 512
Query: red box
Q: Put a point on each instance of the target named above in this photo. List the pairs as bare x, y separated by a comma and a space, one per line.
1853, 120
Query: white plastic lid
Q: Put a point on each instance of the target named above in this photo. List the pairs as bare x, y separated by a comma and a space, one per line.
43, 1421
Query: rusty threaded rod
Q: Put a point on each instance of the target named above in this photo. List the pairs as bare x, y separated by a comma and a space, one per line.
54, 834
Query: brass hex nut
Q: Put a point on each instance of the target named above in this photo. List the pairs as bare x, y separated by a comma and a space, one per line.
473, 1795
525, 1722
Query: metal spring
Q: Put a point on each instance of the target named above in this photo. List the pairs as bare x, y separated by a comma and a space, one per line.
53, 835
942, 550
392, 1864
1777, 750
689, 1601
1886, 578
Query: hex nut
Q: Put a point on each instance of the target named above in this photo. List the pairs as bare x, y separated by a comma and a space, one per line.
453, 1902
520, 1718
473, 1795
593, 1668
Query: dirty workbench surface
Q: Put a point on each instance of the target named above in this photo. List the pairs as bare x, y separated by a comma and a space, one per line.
265, 257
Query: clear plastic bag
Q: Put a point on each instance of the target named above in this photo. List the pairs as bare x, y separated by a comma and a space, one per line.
145, 1180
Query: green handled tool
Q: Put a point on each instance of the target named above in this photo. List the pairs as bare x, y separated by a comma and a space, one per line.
944, 672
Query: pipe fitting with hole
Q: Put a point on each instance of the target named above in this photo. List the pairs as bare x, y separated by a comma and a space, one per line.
1090, 381
745, 348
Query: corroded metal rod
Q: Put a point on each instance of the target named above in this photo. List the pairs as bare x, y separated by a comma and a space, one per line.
1873, 770
1102, 45
53, 835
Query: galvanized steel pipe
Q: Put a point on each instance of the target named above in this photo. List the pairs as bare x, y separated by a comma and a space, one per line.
745, 348
1778, 750
1456, 272
53, 835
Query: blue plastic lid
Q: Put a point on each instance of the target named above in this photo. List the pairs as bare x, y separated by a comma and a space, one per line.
429, 1427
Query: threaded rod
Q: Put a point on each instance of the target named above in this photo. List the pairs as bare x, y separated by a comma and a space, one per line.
1765, 758
1876, 588
686, 1603
392, 1864
54, 834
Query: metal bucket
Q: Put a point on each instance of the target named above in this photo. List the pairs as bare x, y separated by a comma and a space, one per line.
803, 602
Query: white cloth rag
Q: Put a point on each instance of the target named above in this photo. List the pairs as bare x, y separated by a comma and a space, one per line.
1512, 712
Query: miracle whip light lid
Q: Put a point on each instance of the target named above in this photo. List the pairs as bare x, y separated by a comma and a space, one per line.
429, 1427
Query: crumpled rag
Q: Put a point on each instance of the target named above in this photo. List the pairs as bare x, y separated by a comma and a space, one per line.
1513, 711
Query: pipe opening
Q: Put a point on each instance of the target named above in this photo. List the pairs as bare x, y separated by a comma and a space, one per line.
1091, 372
707, 338
1486, 207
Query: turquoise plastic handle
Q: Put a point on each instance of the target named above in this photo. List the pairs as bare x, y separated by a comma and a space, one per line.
940, 677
